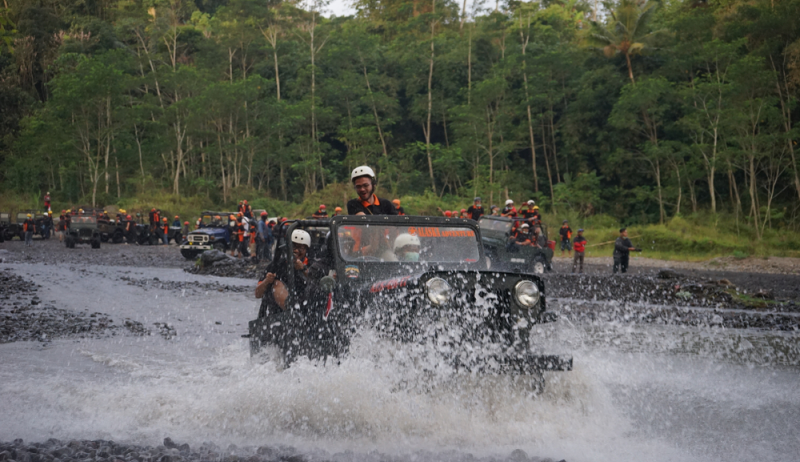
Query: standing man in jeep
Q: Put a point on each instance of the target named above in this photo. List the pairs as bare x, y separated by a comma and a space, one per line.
367, 203
475, 211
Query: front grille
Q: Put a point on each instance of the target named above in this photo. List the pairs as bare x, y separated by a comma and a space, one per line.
198, 238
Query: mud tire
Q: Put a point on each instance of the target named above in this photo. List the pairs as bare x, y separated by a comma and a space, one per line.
190, 254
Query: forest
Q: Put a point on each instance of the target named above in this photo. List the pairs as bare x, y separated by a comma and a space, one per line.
641, 111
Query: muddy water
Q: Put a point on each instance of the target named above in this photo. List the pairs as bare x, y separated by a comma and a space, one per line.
638, 392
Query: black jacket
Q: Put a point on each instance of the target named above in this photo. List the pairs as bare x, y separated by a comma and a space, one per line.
621, 246
475, 212
383, 207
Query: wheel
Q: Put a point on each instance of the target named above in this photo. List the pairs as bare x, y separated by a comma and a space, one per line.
8, 234
118, 237
104, 237
152, 240
70, 242
189, 254
95, 243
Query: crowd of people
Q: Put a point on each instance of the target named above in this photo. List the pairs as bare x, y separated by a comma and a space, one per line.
255, 235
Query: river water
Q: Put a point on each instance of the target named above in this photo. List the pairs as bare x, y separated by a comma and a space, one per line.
637, 392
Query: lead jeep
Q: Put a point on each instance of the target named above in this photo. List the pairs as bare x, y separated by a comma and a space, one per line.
496, 236
83, 230
475, 318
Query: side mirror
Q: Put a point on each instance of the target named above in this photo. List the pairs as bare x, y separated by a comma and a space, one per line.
327, 283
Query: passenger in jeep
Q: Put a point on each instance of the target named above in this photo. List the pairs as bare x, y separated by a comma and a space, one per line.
306, 274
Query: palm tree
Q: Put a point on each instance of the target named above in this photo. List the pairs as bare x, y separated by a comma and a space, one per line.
627, 31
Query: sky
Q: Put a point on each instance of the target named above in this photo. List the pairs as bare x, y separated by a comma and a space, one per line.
341, 7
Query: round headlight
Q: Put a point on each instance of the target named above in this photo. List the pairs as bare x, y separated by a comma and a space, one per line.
439, 291
526, 293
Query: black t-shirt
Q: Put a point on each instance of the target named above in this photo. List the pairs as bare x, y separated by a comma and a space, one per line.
381, 207
475, 212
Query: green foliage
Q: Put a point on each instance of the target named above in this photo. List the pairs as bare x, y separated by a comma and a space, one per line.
190, 103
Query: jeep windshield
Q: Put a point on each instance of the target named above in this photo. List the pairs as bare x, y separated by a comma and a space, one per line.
408, 243
84, 220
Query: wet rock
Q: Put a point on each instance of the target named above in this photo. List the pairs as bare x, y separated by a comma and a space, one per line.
668, 274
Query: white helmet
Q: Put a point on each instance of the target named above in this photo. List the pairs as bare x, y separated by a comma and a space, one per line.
362, 171
509, 202
525, 225
405, 240
301, 237
531, 202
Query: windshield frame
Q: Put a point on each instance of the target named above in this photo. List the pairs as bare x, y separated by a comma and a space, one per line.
402, 222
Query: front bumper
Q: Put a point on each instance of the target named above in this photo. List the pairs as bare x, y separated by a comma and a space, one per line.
195, 247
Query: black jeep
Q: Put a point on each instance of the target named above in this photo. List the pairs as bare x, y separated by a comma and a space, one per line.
8, 228
497, 234
441, 294
83, 230
111, 230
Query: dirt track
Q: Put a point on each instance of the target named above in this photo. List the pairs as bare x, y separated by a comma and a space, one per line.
774, 278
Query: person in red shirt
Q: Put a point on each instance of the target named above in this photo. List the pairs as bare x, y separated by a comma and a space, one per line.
579, 245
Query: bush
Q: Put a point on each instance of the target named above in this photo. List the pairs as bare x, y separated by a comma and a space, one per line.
739, 255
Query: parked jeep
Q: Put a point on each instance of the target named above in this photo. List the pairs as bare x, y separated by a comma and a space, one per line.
412, 280
496, 234
111, 230
83, 230
9, 229
215, 234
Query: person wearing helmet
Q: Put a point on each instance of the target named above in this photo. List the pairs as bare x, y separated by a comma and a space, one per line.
448, 214
244, 240
400, 210
407, 247
521, 238
367, 203
509, 210
536, 217
527, 212
336, 212
176, 221
322, 212
306, 274
185, 230
28, 227
247, 210
475, 211
240, 207
494, 211
464, 214
47, 224
47, 201
164, 231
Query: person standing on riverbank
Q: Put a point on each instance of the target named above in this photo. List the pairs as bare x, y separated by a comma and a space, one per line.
579, 245
28, 227
622, 251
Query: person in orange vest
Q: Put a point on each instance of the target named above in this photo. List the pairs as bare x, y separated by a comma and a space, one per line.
464, 213
247, 211
322, 212
164, 231
336, 212
566, 234
28, 227
367, 203
475, 211
509, 210
185, 228
400, 210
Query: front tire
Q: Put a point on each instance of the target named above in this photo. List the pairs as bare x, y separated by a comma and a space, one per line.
96, 243
70, 242
118, 237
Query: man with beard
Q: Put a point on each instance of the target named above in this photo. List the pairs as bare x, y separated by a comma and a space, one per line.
367, 203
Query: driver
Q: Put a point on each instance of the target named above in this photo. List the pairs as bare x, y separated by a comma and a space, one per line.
407, 247
367, 203
305, 275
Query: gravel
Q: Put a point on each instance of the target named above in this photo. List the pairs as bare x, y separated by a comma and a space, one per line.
23, 317
54, 450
